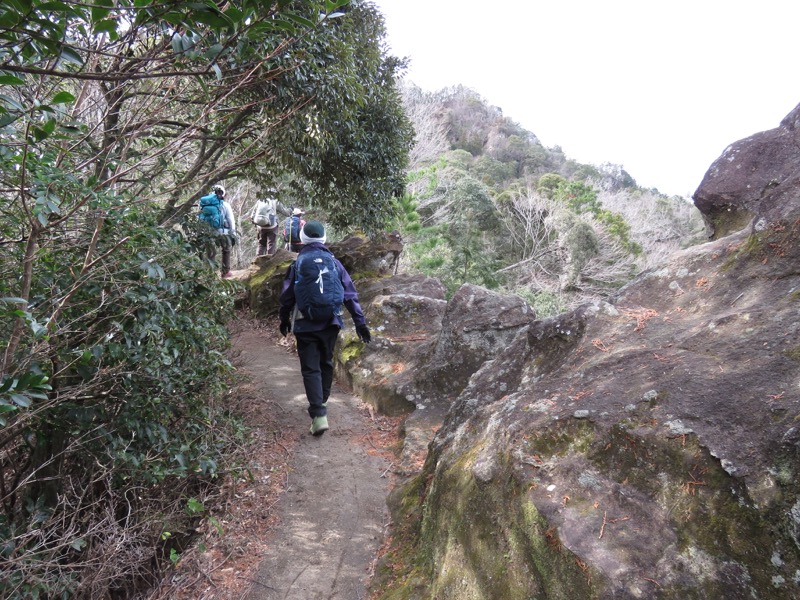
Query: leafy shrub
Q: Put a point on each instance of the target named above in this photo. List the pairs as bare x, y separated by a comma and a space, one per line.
115, 393
545, 304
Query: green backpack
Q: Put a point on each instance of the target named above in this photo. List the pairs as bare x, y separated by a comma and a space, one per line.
211, 211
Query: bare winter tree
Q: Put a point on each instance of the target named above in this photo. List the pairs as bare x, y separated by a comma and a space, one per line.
430, 131
564, 255
658, 224
532, 225
611, 266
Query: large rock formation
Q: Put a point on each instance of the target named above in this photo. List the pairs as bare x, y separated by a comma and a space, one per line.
643, 448
742, 183
425, 351
362, 259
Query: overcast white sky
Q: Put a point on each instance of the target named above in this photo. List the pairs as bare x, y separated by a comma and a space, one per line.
661, 88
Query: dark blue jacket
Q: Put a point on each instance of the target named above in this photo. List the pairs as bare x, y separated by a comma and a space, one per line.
287, 300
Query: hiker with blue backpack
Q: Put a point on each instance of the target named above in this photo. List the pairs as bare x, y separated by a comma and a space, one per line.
218, 215
291, 230
314, 289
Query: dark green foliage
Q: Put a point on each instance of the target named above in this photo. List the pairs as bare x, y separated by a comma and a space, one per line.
493, 172
460, 247
110, 388
407, 216
549, 184
297, 91
354, 166
581, 245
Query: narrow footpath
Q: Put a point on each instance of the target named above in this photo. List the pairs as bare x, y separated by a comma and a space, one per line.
331, 515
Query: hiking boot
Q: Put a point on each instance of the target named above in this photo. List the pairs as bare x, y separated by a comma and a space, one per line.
319, 425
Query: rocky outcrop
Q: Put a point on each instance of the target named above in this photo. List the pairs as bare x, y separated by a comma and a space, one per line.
405, 315
369, 258
361, 257
653, 441
264, 280
424, 350
644, 448
751, 178
477, 325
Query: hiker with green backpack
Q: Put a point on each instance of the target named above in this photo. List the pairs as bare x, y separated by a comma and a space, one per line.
217, 214
314, 289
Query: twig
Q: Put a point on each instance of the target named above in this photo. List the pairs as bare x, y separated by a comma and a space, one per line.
603, 526
269, 587
737, 297
658, 585
207, 576
369, 439
618, 520
224, 561
271, 505
387, 470
408, 338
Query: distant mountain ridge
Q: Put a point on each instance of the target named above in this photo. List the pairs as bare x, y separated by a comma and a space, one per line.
488, 204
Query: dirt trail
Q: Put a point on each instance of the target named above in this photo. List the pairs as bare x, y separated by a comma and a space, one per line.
332, 514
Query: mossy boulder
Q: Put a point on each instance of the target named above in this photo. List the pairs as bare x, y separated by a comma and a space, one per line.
366, 258
363, 258
265, 281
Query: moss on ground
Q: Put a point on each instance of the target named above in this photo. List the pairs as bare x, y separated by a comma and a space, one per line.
351, 348
562, 437
481, 541
793, 353
398, 574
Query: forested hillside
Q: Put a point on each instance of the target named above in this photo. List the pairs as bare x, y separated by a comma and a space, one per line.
487, 203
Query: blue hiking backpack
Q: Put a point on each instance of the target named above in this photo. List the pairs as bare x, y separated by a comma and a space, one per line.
318, 289
211, 211
291, 230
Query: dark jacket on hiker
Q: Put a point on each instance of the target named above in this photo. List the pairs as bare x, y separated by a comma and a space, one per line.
290, 242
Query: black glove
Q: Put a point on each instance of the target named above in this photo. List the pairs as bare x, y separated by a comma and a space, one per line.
363, 333
285, 328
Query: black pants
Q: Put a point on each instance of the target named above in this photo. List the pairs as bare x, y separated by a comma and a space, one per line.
315, 349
